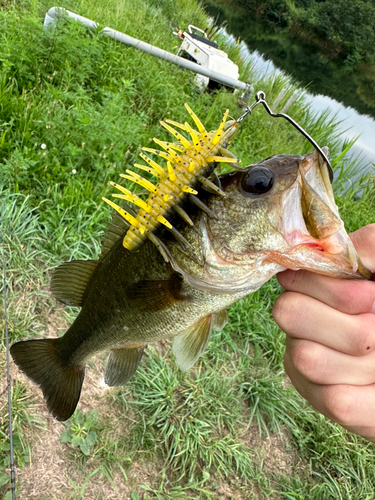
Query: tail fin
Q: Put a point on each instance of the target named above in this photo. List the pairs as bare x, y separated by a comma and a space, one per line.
61, 384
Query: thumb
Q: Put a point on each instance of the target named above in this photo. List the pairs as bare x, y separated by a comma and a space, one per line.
364, 242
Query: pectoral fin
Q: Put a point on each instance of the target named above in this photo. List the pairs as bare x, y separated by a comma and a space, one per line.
220, 320
121, 365
192, 342
155, 295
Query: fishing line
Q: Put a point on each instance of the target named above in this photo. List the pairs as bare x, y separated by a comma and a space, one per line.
261, 99
12, 471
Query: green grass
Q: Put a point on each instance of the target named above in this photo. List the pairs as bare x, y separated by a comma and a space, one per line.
94, 104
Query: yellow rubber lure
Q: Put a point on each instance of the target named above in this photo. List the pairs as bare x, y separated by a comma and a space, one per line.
188, 162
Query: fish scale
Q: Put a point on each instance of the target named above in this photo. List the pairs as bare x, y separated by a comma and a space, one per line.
188, 162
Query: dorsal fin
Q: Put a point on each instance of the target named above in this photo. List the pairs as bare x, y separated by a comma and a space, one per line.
116, 228
69, 281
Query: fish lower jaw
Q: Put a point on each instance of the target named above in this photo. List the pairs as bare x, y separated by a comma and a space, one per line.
332, 256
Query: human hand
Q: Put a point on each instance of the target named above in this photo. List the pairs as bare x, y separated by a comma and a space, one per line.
330, 340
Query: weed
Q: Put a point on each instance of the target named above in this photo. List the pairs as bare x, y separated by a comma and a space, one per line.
79, 431
109, 454
193, 422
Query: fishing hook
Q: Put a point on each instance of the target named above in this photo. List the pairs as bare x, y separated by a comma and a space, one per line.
261, 99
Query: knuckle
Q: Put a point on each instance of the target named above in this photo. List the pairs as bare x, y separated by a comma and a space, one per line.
340, 403
355, 297
305, 359
364, 334
290, 280
280, 307
367, 295
364, 237
345, 301
287, 310
288, 367
363, 240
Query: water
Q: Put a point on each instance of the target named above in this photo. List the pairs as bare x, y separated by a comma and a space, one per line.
309, 67
353, 123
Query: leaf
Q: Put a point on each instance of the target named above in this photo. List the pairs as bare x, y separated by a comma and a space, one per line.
135, 496
85, 448
16, 440
4, 479
91, 438
78, 419
92, 416
66, 436
77, 440
21, 461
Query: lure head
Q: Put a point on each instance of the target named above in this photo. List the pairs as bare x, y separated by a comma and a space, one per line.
279, 213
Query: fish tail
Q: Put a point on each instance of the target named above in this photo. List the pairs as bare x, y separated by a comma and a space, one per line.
61, 383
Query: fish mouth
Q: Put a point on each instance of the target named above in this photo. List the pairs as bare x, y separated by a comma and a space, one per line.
312, 227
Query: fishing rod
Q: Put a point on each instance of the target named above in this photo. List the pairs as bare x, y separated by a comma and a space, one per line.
11, 465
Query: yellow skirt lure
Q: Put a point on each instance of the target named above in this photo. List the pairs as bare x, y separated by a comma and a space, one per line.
188, 162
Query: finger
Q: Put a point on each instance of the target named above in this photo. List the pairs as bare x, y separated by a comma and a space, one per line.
304, 317
366, 431
351, 297
364, 242
348, 296
323, 365
340, 403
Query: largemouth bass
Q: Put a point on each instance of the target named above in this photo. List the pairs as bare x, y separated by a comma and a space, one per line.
279, 213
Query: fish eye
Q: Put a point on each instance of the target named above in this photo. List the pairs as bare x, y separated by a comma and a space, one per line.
258, 180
